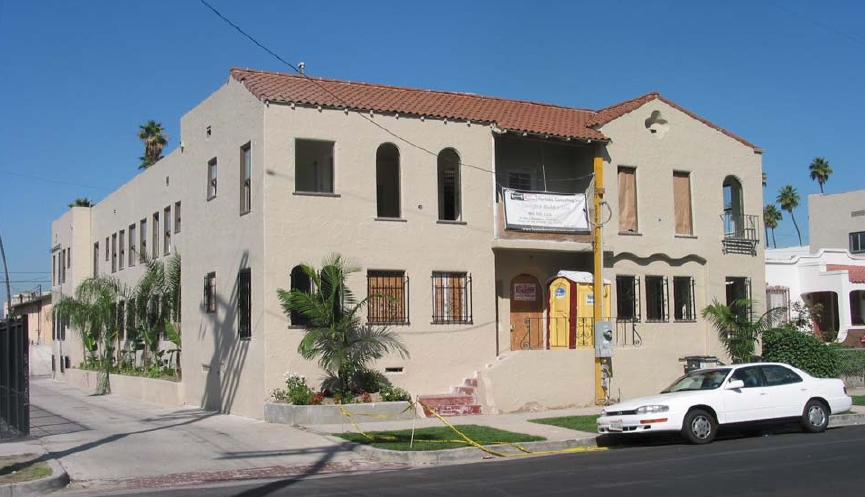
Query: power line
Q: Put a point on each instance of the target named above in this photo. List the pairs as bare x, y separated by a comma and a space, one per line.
326, 90
50, 180
820, 24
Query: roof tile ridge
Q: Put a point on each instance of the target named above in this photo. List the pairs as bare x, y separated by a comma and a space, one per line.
708, 123
410, 89
646, 96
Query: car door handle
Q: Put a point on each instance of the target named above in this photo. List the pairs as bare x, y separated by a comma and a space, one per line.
763, 393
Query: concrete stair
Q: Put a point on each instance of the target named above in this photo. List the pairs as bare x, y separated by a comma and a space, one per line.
460, 401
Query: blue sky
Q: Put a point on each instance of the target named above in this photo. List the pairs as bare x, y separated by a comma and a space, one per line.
78, 78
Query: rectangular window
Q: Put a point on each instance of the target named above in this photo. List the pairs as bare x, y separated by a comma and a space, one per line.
142, 250
122, 259
682, 202
244, 304
778, 305
155, 247
388, 297
656, 299
857, 242
166, 240
177, 217
313, 163
520, 180
627, 298
106, 249
114, 252
739, 289
627, 200
132, 245
69, 257
54, 269
210, 292
245, 178
452, 298
211, 179
683, 299
96, 259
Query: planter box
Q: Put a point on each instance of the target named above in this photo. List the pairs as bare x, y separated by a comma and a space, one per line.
330, 414
133, 387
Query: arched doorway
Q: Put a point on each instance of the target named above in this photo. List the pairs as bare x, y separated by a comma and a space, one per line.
527, 312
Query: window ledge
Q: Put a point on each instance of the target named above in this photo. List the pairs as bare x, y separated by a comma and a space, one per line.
296, 327
444, 221
392, 219
630, 233
317, 194
456, 323
211, 197
655, 321
243, 213
685, 321
694, 237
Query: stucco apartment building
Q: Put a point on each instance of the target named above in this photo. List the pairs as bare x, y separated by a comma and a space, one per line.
275, 170
830, 271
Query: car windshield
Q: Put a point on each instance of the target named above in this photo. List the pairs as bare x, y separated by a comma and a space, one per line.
704, 379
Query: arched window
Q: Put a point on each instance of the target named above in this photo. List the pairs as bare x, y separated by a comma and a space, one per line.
449, 185
387, 181
299, 281
734, 220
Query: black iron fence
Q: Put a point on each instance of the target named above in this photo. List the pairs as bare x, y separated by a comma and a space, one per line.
14, 378
574, 332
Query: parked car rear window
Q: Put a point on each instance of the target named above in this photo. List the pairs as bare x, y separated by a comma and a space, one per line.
779, 375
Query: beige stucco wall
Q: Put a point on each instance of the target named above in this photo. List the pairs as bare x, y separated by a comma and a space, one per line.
304, 228
710, 156
831, 219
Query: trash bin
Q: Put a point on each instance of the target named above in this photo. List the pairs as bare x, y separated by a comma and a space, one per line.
694, 362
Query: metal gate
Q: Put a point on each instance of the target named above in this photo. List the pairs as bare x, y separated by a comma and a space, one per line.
14, 378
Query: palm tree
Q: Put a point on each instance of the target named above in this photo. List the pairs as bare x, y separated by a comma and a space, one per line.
736, 329
154, 137
343, 345
81, 202
820, 171
93, 312
771, 216
156, 307
788, 198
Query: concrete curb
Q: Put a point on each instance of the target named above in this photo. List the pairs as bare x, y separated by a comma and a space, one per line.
58, 479
846, 419
455, 456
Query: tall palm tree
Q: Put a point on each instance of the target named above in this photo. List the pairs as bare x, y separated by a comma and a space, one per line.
92, 310
820, 171
336, 336
736, 329
154, 137
788, 198
81, 202
771, 216
156, 307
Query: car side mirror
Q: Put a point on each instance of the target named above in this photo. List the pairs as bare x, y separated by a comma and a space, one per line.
735, 384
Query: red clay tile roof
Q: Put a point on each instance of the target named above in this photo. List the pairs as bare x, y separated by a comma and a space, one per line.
512, 115
855, 273
616, 111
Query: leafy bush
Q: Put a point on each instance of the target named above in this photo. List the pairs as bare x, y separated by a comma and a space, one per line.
851, 362
393, 394
803, 351
296, 392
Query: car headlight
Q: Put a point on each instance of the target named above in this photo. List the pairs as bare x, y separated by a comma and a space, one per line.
651, 409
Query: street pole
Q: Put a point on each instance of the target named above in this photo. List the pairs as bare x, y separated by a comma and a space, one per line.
598, 278
6, 272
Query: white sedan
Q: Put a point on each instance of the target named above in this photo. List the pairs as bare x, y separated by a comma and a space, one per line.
697, 403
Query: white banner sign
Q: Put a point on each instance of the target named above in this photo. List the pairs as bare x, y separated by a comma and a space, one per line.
531, 211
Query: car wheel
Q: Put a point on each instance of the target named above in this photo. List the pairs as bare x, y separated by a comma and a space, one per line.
699, 427
815, 417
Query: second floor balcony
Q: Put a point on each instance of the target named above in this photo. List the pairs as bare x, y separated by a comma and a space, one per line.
741, 233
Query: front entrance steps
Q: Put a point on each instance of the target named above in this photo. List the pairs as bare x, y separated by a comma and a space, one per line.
461, 401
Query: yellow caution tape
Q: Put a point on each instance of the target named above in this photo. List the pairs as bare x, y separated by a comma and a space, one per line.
465, 439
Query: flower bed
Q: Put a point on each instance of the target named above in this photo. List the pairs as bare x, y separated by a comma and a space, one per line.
133, 387
331, 414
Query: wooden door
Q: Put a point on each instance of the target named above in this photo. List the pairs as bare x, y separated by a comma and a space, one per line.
527, 311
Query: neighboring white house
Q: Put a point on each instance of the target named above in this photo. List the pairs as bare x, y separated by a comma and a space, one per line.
832, 278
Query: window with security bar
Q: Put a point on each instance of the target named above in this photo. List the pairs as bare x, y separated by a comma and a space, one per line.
244, 304
656, 299
627, 298
388, 297
210, 292
684, 309
452, 298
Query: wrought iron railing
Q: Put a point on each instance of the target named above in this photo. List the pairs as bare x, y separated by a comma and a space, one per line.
562, 333
741, 233
14, 378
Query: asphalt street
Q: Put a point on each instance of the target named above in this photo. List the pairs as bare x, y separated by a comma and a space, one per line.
782, 464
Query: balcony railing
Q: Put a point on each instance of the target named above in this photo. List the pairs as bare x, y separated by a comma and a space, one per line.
741, 233
534, 336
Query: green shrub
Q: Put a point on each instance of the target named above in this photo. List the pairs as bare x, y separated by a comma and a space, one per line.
851, 362
393, 394
803, 351
296, 391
